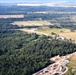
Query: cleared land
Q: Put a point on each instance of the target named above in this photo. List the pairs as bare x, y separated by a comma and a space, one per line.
72, 66
33, 31
46, 30
32, 23
69, 35
62, 32
55, 30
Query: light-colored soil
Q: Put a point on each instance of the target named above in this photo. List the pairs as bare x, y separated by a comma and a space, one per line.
69, 35
32, 23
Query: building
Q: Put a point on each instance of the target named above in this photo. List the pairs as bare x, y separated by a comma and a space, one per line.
60, 38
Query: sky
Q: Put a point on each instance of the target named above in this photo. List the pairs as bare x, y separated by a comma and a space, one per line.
34, 1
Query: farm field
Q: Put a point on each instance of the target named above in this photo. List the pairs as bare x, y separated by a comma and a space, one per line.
55, 30
72, 66
62, 32
32, 23
69, 35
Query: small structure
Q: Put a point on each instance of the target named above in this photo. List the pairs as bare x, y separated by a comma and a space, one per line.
65, 62
60, 38
55, 58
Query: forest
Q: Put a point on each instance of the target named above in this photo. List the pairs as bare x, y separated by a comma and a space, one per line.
24, 54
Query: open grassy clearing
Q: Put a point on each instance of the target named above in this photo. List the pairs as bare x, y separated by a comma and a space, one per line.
72, 66
32, 31
55, 30
62, 32
32, 23
69, 35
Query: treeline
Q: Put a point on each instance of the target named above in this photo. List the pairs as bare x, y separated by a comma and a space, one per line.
25, 9
72, 27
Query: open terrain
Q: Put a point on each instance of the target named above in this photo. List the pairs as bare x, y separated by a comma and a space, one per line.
69, 35
72, 65
62, 32
48, 32
32, 23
